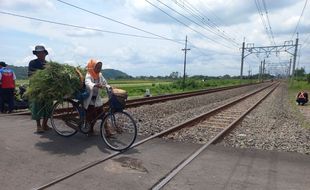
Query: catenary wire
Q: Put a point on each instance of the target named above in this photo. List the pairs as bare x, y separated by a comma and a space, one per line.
191, 20
186, 25
208, 19
119, 22
201, 18
261, 14
93, 29
268, 21
113, 20
83, 27
305, 43
302, 12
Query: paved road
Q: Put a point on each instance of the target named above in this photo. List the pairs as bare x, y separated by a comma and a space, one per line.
28, 160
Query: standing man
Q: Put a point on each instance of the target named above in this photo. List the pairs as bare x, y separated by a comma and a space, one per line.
1, 67
39, 110
7, 78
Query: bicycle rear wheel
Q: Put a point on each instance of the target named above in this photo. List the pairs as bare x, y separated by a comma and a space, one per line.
124, 127
66, 118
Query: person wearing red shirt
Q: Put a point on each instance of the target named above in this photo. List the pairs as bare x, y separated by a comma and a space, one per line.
7, 78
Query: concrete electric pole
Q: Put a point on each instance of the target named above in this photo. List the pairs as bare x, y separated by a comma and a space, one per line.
185, 52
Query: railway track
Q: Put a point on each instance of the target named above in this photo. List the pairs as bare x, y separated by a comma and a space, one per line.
157, 99
213, 125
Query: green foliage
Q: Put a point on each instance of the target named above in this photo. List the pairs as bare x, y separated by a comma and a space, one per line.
299, 85
53, 83
20, 72
308, 78
294, 88
300, 72
163, 87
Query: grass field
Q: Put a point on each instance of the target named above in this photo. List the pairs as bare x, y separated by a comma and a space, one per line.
137, 88
294, 88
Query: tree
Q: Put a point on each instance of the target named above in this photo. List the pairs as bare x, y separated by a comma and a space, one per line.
226, 76
308, 78
300, 72
174, 75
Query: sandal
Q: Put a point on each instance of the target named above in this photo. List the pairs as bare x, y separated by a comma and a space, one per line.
46, 128
40, 129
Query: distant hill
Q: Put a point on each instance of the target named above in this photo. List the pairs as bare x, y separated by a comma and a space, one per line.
22, 73
114, 74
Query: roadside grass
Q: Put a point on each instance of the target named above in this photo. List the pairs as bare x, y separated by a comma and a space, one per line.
294, 88
137, 88
22, 82
158, 87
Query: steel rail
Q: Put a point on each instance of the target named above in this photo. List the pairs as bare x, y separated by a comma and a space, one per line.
160, 134
165, 180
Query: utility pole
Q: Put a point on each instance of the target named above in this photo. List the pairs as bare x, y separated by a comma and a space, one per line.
260, 71
290, 67
294, 58
264, 62
242, 60
185, 51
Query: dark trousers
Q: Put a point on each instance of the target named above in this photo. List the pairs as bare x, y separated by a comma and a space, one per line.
301, 101
1, 107
7, 96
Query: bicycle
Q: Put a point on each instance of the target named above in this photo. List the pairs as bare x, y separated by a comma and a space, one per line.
68, 117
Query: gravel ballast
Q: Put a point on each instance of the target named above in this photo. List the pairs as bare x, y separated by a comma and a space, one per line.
157, 117
273, 125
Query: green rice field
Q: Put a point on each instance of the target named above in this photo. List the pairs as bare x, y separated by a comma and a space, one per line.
137, 88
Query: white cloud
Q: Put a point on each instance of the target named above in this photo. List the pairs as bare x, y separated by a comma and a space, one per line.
138, 56
26, 4
83, 33
81, 50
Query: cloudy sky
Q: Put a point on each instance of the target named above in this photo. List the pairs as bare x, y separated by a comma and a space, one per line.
146, 37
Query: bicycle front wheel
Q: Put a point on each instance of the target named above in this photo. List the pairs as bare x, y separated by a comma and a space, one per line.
118, 130
65, 118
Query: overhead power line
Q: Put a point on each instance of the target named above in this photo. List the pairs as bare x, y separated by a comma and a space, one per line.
113, 20
125, 24
93, 29
268, 21
189, 8
211, 26
191, 20
186, 24
302, 12
305, 43
261, 14
84, 27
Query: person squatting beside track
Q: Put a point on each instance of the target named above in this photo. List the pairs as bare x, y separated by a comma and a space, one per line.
302, 98
7, 78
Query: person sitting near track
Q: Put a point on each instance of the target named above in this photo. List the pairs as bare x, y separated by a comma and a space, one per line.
93, 104
302, 98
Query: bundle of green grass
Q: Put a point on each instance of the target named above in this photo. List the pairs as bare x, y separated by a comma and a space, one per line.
55, 82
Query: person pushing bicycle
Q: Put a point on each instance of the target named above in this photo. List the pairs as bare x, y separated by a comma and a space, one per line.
93, 105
